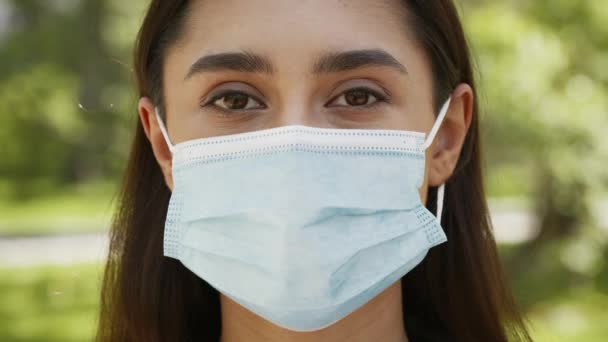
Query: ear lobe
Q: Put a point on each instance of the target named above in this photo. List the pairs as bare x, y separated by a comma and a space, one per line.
451, 136
157, 141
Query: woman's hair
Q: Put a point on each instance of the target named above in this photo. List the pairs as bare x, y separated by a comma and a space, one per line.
459, 288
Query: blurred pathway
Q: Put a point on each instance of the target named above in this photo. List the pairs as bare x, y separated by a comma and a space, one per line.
53, 250
510, 226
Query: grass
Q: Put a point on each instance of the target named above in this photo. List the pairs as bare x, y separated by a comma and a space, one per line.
579, 316
50, 304
55, 304
82, 208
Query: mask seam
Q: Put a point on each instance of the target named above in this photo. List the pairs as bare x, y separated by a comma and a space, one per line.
252, 153
172, 232
301, 146
218, 140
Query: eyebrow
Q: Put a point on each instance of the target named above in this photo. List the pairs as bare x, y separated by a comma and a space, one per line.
349, 60
328, 62
245, 61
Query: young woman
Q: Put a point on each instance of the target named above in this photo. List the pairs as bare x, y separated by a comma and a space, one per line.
304, 171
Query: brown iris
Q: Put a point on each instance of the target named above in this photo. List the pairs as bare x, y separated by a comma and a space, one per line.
357, 97
235, 101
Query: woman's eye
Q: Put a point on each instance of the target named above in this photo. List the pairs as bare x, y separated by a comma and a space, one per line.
358, 97
235, 101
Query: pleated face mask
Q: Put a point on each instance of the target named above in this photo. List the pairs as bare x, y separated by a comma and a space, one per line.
301, 225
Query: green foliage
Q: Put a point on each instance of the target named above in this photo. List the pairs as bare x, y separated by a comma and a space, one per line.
51, 304
40, 125
544, 80
66, 103
576, 316
544, 83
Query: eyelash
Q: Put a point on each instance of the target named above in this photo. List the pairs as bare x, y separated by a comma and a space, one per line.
380, 99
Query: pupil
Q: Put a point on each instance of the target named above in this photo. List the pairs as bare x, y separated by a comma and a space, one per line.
235, 101
357, 97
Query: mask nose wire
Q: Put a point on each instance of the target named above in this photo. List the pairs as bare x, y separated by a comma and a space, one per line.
163, 130
428, 142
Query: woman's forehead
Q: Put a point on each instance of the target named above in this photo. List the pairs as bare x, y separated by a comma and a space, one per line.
316, 11
294, 35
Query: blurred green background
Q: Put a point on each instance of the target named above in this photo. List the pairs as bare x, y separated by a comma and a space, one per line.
67, 112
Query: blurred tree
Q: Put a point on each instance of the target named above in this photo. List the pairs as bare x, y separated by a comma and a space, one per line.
544, 83
64, 92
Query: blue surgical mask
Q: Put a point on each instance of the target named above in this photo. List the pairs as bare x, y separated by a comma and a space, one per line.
301, 225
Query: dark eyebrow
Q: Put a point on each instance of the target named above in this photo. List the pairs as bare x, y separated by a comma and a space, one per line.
329, 62
349, 60
245, 61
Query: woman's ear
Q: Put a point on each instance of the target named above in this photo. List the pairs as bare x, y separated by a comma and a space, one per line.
151, 126
445, 150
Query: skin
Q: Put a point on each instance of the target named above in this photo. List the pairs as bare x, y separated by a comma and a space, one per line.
292, 34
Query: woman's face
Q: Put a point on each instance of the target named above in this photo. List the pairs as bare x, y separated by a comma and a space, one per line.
243, 65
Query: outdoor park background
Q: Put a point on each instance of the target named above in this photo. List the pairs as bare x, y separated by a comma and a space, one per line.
67, 110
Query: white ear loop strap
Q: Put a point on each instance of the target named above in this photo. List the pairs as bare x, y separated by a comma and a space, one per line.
440, 195
428, 142
163, 129
438, 122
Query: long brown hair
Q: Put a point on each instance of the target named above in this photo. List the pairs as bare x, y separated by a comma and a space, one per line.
459, 288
